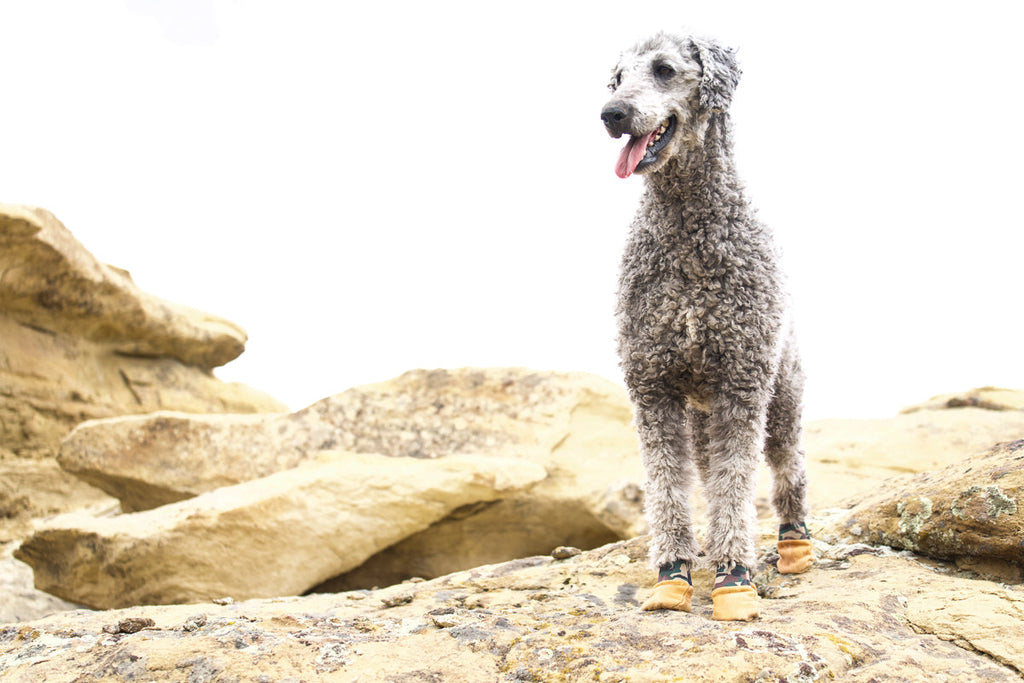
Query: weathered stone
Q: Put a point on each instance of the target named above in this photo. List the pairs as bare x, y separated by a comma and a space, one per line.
575, 425
79, 341
987, 398
980, 615
34, 488
973, 510
847, 457
279, 535
18, 600
150, 460
52, 283
883, 618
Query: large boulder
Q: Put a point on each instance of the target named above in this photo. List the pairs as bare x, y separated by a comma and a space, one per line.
80, 341
279, 535
971, 512
575, 425
864, 615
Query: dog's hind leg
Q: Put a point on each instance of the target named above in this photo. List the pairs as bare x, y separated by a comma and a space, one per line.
668, 464
782, 451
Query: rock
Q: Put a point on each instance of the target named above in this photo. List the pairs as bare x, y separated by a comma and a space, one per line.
849, 457
279, 535
985, 617
32, 488
80, 341
52, 282
18, 600
972, 511
577, 426
987, 398
883, 618
146, 461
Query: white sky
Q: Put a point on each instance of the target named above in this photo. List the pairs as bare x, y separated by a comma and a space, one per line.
369, 190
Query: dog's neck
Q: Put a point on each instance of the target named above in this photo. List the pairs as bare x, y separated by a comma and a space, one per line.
702, 179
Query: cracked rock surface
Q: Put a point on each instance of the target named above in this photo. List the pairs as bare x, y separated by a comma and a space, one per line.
868, 615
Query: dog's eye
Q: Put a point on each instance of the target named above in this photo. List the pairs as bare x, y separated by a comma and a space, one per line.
616, 82
664, 71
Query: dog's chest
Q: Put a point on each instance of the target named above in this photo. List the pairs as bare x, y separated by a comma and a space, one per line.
666, 295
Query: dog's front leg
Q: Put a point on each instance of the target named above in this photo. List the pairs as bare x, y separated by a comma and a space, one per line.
670, 473
735, 442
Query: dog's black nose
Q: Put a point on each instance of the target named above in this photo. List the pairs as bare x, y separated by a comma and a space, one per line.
616, 116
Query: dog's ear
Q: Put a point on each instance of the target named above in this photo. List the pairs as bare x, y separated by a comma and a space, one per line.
721, 74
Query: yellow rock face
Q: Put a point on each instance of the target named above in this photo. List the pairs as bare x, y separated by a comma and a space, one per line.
78, 341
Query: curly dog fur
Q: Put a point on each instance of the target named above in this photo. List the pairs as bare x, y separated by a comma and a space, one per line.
705, 340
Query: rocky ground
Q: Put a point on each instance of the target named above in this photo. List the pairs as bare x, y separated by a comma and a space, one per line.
193, 530
864, 614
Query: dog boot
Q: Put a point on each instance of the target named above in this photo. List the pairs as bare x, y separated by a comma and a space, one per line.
734, 598
674, 589
796, 554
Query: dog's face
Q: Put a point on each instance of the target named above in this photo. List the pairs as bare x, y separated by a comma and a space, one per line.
664, 90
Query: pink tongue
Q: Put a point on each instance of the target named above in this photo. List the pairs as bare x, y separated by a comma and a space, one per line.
632, 153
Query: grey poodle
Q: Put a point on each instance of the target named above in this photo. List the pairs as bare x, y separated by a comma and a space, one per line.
705, 339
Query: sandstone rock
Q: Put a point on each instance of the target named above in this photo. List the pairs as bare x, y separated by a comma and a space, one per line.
79, 341
575, 425
848, 457
972, 510
983, 616
34, 488
51, 282
869, 618
146, 461
18, 600
988, 398
279, 535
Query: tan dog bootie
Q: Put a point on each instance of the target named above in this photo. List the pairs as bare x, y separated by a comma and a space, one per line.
735, 603
674, 589
672, 594
795, 556
734, 598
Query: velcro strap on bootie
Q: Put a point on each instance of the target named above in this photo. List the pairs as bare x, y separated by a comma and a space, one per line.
795, 556
735, 603
672, 594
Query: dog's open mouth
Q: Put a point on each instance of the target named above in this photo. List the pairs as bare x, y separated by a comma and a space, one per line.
642, 150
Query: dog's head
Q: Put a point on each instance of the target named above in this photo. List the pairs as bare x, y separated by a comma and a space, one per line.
664, 91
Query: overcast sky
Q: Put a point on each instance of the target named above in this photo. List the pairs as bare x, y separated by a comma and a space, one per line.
418, 184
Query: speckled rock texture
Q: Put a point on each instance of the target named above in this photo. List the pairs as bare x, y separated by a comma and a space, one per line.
864, 614
279, 535
576, 426
971, 512
79, 341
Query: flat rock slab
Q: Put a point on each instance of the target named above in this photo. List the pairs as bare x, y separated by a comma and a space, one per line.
576, 426
279, 535
972, 511
859, 617
150, 460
